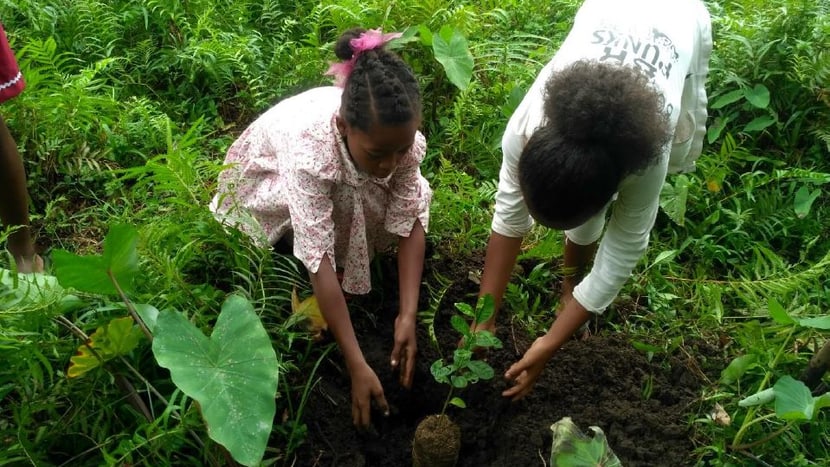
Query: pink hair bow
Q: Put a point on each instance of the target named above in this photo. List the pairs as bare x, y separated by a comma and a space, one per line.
369, 40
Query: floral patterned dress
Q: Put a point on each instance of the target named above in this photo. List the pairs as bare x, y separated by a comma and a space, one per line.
290, 171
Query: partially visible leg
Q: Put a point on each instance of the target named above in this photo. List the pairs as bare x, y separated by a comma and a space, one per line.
14, 203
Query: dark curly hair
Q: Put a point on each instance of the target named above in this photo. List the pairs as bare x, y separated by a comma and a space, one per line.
380, 89
603, 123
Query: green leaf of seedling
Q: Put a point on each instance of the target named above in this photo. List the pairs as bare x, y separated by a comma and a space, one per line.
737, 368
232, 374
486, 339
758, 96
440, 372
454, 55
458, 402
804, 199
459, 381
460, 325
481, 369
460, 357
819, 322
485, 308
728, 98
793, 400
466, 309
91, 273
759, 123
778, 313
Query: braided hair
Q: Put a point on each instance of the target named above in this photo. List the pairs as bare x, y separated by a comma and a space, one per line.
381, 88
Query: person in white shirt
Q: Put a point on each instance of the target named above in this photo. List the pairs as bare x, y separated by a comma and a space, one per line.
620, 105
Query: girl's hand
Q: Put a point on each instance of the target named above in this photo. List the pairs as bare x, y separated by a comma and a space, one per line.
406, 346
526, 371
365, 388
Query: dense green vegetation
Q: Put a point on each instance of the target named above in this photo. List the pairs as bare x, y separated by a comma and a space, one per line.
130, 107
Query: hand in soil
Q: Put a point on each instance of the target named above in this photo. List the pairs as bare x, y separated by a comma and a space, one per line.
406, 346
526, 371
365, 389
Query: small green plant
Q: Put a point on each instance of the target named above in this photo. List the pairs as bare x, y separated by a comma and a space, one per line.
464, 370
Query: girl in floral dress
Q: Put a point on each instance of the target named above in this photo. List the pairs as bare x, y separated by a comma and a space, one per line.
335, 172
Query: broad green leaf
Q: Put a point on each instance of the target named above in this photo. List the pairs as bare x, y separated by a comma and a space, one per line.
118, 337
759, 123
90, 273
458, 402
793, 400
481, 369
460, 325
440, 372
737, 368
233, 374
728, 98
804, 201
716, 128
454, 56
148, 313
758, 96
778, 313
673, 199
425, 34
819, 322
485, 308
572, 448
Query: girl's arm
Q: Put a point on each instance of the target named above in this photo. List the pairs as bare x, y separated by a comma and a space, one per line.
333, 307
410, 269
365, 384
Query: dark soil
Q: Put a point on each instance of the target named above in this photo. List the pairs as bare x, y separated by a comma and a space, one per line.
642, 406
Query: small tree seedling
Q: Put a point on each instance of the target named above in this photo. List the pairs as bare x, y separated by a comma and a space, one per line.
464, 370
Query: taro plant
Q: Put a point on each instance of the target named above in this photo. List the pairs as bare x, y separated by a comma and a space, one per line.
232, 375
572, 448
464, 370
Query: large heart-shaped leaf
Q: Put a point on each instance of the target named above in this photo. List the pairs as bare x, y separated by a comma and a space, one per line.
454, 55
232, 375
92, 273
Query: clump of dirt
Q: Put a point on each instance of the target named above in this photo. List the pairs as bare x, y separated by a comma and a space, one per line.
641, 405
437, 442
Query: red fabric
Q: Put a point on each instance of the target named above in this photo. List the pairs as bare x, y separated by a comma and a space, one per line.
11, 81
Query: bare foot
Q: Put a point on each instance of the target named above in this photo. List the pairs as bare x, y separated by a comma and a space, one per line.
29, 265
